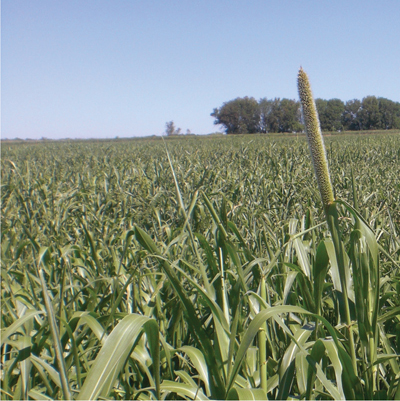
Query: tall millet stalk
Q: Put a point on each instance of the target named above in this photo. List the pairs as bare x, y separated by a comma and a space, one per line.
318, 154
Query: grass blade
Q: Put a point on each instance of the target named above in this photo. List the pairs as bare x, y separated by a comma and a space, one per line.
114, 353
56, 337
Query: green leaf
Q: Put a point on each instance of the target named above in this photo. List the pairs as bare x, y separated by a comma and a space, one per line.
36, 395
252, 331
40, 363
285, 383
183, 390
238, 393
13, 328
301, 336
92, 322
302, 257
199, 362
114, 353
320, 269
333, 355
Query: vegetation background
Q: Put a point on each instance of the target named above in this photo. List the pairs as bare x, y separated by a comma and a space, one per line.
197, 268
247, 116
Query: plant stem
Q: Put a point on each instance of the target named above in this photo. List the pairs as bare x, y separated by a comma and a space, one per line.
262, 342
333, 224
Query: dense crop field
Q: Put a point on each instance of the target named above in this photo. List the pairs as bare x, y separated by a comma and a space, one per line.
198, 268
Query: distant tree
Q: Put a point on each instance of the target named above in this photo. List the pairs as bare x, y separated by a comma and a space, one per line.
321, 107
238, 116
265, 106
334, 111
389, 113
170, 129
280, 115
330, 114
290, 116
272, 120
351, 115
369, 114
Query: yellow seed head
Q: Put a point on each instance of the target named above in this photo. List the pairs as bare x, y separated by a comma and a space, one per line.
315, 140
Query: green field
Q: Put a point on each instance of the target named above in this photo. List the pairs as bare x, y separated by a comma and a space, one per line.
198, 268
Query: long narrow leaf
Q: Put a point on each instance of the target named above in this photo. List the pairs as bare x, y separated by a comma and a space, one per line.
113, 355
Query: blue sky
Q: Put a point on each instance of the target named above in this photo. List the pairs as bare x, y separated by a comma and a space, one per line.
102, 68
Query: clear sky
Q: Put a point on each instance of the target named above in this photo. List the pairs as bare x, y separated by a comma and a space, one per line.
102, 68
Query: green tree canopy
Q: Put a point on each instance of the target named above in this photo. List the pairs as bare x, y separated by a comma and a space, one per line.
350, 117
247, 116
239, 116
330, 114
369, 113
389, 113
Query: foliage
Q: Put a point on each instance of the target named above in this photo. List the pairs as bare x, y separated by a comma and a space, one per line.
350, 115
239, 116
280, 115
167, 272
330, 114
247, 116
170, 129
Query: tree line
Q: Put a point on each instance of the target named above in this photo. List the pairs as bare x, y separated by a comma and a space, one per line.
247, 115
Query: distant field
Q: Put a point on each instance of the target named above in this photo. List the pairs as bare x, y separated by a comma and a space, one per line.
210, 136
190, 252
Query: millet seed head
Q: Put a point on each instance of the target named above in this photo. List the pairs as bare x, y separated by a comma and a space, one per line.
315, 140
